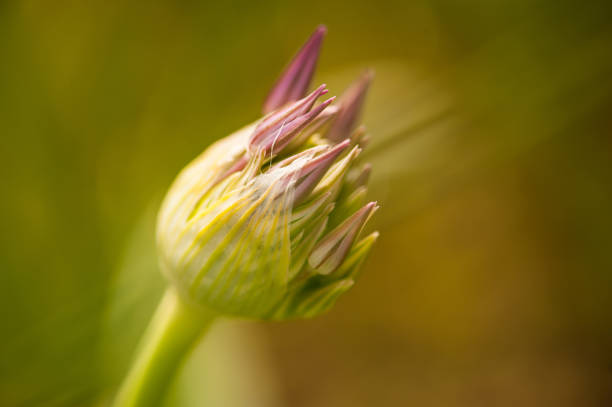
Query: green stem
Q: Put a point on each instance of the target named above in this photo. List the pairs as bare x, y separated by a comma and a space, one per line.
171, 333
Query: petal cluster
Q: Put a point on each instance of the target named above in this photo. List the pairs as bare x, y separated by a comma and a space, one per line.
267, 222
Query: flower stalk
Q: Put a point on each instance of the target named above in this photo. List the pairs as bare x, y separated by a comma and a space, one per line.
171, 334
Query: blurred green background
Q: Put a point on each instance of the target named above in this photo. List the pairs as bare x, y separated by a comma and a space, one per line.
491, 284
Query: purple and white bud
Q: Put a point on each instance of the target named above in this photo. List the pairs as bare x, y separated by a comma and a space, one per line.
266, 222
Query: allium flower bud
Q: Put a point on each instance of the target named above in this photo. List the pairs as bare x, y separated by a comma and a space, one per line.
266, 222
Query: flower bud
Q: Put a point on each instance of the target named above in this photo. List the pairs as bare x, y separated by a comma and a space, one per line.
266, 222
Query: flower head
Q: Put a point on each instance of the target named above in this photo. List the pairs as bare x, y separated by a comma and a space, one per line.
266, 222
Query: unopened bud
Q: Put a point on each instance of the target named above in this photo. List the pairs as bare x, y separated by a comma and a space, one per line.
265, 223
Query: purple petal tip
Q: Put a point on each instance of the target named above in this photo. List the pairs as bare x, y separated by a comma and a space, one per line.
278, 128
295, 79
333, 248
312, 172
351, 103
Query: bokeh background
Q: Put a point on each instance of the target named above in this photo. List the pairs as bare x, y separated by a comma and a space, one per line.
491, 126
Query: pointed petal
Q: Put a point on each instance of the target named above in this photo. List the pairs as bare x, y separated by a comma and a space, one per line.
276, 130
306, 169
306, 154
298, 175
360, 250
291, 111
318, 125
350, 108
275, 119
334, 177
294, 81
312, 172
329, 253
325, 117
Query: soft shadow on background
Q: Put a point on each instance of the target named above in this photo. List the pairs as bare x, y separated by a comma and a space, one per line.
491, 123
